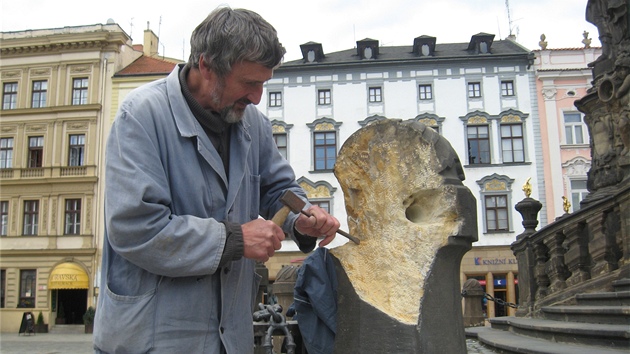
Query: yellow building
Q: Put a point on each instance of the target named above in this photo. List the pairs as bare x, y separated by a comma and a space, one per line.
56, 103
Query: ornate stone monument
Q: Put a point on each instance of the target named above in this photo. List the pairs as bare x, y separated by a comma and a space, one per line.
399, 290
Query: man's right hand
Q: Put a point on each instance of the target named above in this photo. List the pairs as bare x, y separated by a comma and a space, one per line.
261, 239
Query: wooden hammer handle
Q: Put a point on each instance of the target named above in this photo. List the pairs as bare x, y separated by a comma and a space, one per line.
281, 216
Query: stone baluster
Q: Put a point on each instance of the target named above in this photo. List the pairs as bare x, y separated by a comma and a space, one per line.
577, 257
556, 269
604, 250
542, 280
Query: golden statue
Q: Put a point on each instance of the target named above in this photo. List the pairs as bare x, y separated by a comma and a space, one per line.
566, 205
527, 188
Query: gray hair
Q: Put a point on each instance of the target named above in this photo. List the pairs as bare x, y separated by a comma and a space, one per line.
229, 36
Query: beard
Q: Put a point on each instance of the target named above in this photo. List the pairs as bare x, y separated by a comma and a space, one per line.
229, 114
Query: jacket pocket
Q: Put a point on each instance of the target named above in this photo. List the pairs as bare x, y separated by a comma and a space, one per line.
254, 197
125, 324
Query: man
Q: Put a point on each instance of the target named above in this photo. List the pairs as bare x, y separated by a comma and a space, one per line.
190, 166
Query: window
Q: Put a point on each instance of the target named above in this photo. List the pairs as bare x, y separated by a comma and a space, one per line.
79, 91
325, 150
4, 218
376, 94
574, 128
324, 204
9, 95
324, 97
512, 143
496, 212
474, 89
31, 217
27, 288
275, 99
40, 89
507, 88
35, 151
281, 143
425, 92
73, 217
76, 150
3, 286
6, 152
478, 144
579, 191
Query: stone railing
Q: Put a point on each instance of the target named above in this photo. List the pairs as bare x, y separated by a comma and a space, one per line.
578, 253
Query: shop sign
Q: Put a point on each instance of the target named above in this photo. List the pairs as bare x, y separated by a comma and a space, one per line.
480, 261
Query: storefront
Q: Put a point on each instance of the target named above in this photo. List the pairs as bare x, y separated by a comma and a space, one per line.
68, 285
497, 271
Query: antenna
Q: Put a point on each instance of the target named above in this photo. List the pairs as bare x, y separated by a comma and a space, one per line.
131, 30
159, 41
507, 7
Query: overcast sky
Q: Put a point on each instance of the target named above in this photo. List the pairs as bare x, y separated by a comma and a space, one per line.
336, 24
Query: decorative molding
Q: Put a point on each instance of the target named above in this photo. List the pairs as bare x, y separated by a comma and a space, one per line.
36, 128
77, 126
40, 72
11, 74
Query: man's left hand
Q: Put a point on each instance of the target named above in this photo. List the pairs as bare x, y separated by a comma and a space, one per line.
319, 224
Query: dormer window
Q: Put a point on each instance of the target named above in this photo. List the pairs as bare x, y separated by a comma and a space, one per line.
312, 52
424, 46
367, 48
481, 43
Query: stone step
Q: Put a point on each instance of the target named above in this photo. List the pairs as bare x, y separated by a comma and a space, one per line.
509, 342
606, 335
617, 298
621, 284
618, 315
67, 329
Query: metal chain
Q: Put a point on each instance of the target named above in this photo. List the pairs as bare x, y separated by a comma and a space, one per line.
500, 301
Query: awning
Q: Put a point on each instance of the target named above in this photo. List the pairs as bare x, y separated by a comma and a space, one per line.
68, 276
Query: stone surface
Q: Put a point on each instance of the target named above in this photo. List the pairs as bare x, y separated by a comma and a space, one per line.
399, 289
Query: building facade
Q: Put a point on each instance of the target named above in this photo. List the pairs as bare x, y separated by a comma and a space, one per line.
479, 95
563, 76
56, 89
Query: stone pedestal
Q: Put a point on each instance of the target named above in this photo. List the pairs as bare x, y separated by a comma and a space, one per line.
399, 290
473, 296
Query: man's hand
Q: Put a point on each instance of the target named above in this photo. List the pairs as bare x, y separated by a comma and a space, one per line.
261, 239
319, 224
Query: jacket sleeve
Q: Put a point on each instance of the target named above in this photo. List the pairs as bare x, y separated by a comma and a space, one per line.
141, 226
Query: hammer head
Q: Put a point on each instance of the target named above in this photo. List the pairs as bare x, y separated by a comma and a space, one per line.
291, 200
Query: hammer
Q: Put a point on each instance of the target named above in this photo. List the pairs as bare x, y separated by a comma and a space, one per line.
295, 204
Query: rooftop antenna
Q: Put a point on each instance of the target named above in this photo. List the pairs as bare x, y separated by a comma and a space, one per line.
131, 30
159, 41
507, 7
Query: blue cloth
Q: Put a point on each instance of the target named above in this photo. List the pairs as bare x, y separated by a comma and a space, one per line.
315, 296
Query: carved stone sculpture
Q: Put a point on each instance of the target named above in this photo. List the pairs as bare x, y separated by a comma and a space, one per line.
399, 290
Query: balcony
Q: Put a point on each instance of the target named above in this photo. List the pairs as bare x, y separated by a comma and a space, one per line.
21, 174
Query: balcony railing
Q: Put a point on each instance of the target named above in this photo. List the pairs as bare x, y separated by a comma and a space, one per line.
8, 174
578, 253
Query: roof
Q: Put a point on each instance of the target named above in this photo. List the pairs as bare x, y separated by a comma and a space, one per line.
147, 66
452, 51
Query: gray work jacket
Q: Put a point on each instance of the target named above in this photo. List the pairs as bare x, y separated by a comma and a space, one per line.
166, 191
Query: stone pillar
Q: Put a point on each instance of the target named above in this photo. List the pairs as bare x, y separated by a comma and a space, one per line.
511, 293
399, 290
491, 307
473, 296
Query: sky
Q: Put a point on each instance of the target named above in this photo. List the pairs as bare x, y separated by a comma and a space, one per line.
336, 24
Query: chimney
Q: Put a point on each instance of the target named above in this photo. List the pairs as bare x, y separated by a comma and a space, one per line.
151, 43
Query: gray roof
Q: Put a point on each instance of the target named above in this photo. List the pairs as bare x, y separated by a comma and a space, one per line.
500, 50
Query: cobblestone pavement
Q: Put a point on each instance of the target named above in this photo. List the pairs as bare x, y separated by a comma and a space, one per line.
52, 343
45, 343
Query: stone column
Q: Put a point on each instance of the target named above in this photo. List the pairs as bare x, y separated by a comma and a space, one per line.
511, 293
491, 309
